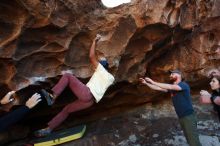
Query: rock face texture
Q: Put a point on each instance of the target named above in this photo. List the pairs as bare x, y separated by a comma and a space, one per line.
42, 38
39, 39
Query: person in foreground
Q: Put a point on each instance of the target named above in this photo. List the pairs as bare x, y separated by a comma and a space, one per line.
214, 97
16, 115
86, 94
180, 93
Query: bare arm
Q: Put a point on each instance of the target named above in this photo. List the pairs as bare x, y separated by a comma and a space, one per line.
205, 97
164, 85
154, 87
217, 100
92, 54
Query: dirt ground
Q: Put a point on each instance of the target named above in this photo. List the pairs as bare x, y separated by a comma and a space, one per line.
148, 126
135, 129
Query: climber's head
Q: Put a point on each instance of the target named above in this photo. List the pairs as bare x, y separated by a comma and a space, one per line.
103, 61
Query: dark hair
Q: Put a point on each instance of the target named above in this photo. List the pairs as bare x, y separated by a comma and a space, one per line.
218, 78
178, 72
104, 63
215, 76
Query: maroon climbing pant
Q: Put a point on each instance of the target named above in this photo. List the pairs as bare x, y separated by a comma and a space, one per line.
85, 98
